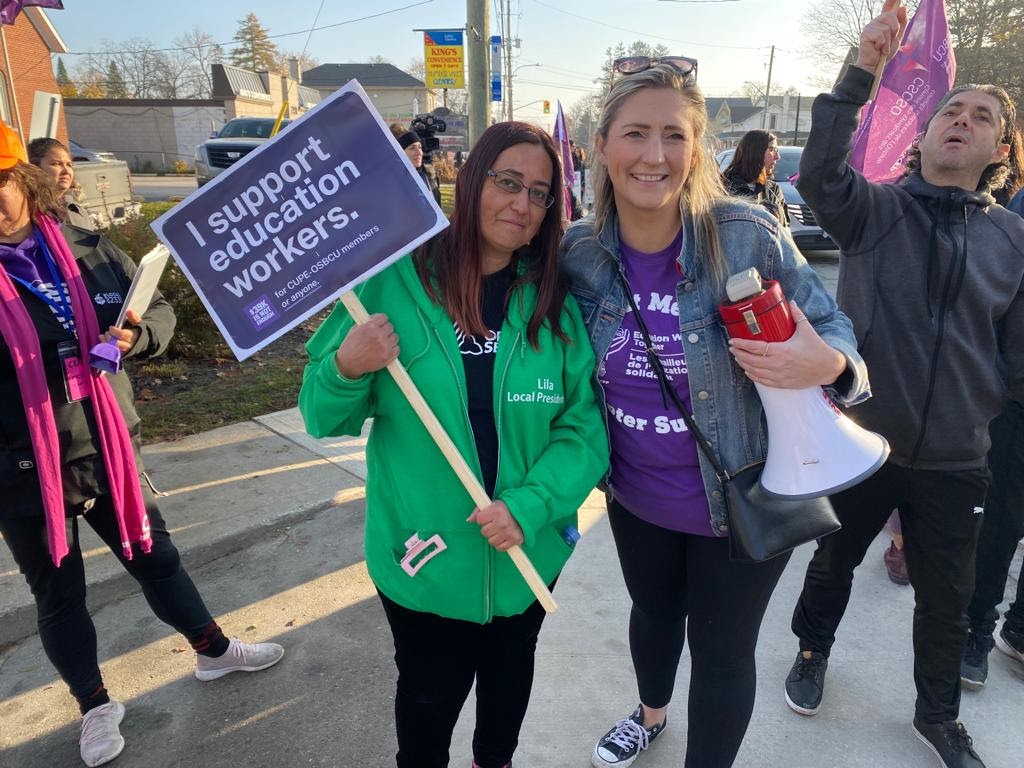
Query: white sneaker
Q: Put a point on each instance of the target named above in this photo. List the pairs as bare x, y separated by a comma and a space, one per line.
101, 739
239, 657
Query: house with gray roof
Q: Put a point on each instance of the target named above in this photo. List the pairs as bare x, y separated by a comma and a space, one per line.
788, 117
396, 94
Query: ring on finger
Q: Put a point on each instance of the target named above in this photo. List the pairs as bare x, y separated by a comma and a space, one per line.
765, 352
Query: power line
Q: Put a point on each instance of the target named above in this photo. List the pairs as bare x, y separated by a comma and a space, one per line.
271, 37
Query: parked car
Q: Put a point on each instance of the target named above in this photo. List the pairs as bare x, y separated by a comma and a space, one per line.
234, 141
805, 230
80, 154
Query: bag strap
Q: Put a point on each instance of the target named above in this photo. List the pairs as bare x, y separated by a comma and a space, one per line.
666, 389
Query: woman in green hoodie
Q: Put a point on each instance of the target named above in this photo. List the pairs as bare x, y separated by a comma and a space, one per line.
482, 321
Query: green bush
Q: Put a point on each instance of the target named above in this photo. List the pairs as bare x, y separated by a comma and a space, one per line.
196, 335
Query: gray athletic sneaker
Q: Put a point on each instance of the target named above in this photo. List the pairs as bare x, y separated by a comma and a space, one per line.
101, 739
239, 657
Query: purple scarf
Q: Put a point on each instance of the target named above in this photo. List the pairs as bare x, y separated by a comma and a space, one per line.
115, 442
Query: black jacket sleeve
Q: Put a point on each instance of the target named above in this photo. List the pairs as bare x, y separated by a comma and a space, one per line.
845, 204
158, 322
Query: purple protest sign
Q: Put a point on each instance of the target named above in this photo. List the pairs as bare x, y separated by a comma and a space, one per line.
318, 209
913, 83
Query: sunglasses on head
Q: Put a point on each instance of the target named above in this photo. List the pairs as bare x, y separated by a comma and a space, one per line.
630, 65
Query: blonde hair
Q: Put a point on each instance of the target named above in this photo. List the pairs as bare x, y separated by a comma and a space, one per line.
703, 185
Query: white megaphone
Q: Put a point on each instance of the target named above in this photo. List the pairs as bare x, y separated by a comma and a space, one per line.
813, 449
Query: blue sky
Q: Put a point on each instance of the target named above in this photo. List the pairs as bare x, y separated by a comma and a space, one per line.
567, 39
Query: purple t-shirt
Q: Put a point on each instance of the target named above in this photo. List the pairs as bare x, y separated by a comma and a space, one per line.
655, 472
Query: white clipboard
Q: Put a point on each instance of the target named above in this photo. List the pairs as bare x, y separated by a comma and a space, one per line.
140, 292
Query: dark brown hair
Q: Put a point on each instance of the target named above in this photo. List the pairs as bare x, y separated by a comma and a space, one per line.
748, 160
40, 192
450, 265
1004, 178
37, 149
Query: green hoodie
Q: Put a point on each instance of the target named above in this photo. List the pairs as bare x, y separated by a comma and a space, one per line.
552, 446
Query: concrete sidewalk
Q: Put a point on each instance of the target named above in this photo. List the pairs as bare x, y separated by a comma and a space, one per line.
269, 522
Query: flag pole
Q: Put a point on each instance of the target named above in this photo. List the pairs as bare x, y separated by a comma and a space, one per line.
880, 66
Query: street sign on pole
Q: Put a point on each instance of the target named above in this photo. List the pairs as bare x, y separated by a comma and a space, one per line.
495, 67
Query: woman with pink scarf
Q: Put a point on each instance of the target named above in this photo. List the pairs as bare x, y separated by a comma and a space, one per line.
69, 445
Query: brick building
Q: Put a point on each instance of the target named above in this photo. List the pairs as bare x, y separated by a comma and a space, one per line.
26, 70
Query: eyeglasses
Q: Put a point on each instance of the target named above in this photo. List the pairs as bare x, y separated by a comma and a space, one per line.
506, 182
630, 65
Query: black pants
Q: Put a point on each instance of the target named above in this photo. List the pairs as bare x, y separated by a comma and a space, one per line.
941, 516
438, 659
65, 627
1003, 526
684, 587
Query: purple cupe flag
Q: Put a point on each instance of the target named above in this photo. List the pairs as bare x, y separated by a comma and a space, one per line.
9, 9
912, 84
561, 137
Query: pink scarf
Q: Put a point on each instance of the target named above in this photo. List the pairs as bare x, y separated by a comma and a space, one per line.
115, 442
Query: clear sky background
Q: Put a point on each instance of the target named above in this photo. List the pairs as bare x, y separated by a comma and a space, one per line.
568, 38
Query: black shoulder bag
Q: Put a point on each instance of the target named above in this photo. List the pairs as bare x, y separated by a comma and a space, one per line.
761, 526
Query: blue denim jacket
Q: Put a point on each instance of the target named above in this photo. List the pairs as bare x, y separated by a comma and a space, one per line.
726, 406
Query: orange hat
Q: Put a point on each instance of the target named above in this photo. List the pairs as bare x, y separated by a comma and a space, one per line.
12, 151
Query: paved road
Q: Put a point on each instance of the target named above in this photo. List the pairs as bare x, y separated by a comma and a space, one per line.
156, 188
826, 264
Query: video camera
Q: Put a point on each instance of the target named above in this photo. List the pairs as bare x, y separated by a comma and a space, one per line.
425, 126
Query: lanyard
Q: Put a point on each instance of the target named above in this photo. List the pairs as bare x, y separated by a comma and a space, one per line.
61, 305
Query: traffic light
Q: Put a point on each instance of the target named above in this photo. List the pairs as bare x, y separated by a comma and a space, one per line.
547, 107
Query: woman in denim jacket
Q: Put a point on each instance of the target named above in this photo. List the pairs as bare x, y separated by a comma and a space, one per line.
663, 226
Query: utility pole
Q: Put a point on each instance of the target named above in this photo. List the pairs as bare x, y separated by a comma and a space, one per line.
768, 89
478, 46
508, 57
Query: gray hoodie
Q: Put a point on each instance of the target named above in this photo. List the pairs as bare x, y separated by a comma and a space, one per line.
932, 279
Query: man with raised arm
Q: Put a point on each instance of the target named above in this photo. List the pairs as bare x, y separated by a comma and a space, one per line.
931, 276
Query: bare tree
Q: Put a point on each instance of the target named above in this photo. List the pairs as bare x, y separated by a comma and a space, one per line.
202, 51
833, 26
141, 67
987, 36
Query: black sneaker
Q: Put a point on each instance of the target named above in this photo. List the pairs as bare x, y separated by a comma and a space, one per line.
625, 741
806, 683
1011, 643
974, 664
950, 743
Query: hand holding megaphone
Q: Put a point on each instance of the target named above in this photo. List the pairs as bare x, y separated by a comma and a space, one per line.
803, 360
813, 448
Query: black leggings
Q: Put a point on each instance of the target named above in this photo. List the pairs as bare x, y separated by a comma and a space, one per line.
66, 630
438, 659
685, 587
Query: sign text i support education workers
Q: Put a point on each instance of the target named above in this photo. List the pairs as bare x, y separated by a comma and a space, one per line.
305, 216
444, 57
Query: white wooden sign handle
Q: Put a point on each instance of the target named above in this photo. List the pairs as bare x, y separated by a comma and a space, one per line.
451, 453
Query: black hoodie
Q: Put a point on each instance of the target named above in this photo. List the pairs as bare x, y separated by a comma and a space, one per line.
933, 280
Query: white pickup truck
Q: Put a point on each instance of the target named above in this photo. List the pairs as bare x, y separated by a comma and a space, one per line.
107, 189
